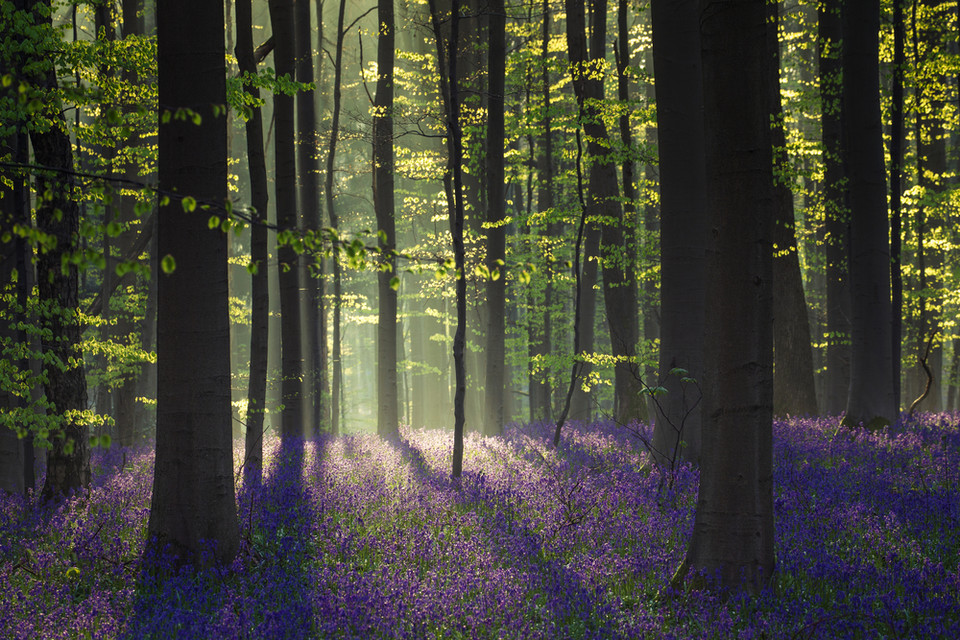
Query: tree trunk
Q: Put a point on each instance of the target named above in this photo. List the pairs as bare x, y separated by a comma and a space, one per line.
794, 392
733, 531
260, 311
931, 166
896, 190
540, 388
496, 284
683, 226
388, 414
336, 390
836, 240
291, 386
308, 145
193, 511
870, 399
58, 215
449, 89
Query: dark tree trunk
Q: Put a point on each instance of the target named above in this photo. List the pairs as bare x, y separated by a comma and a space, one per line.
870, 399
896, 200
683, 226
540, 389
308, 145
388, 418
631, 404
496, 284
193, 505
836, 239
931, 166
732, 540
336, 390
58, 215
794, 392
447, 55
291, 352
260, 311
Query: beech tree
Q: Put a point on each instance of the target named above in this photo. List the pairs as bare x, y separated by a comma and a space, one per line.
871, 396
732, 541
193, 512
683, 225
383, 198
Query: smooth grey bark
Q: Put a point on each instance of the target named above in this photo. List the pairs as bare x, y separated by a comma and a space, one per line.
870, 400
496, 284
388, 400
794, 392
336, 389
260, 294
733, 533
308, 145
193, 511
836, 238
683, 226
291, 348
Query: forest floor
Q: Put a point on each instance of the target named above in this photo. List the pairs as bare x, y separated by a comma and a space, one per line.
358, 537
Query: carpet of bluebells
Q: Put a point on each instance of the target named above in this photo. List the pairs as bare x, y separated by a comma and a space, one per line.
358, 537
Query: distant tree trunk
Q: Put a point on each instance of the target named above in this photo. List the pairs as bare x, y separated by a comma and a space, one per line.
291, 352
794, 392
733, 530
631, 404
496, 284
388, 418
870, 400
308, 145
12, 200
260, 312
193, 511
58, 215
931, 166
836, 239
449, 89
953, 382
540, 389
896, 189
683, 226
337, 381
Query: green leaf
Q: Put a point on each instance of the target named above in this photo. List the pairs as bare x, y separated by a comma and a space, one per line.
189, 204
394, 283
213, 222
168, 264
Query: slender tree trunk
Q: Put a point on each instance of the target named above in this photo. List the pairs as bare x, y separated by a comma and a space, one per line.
260, 311
683, 226
870, 400
447, 59
308, 145
631, 404
540, 388
337, 381
58, 215
388, 414
733, 531
836, 239
896, 190
291, 354
496, 284
193, 510
794, 392
931, 166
